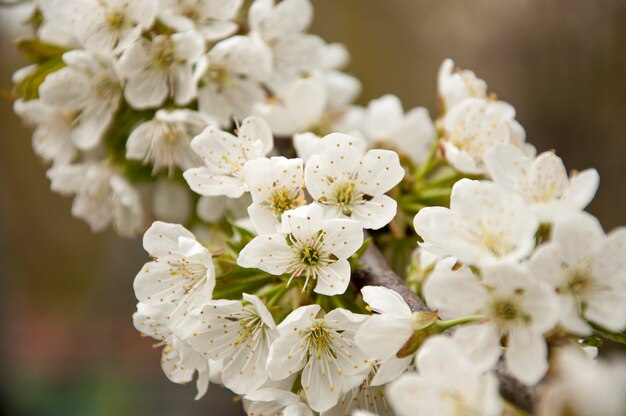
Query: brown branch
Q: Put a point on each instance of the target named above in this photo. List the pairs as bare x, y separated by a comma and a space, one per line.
375, 271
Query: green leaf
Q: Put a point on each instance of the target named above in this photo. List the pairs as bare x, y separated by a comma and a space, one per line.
28, 88
606, 334
36, 50
592, 341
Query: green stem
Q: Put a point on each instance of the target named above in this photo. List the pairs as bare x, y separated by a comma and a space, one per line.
435, 193
446, 180
441, 326
277, 296
429, 164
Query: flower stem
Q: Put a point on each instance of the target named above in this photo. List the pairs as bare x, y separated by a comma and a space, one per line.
441, 326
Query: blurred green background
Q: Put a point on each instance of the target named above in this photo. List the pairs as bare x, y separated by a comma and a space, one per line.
68, 345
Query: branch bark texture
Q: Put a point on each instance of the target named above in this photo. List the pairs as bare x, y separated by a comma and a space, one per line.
375, 271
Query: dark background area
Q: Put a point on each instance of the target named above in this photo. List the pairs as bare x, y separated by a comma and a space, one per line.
67, 345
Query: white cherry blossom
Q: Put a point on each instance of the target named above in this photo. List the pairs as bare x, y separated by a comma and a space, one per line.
225, 155
412, 133
111, 25
164, 141
385, 333
542, 181
240, 335
230, 78
161, 67
514, 305
323, 348
213, 208
456, 85
56, 27
474, 126
182, 268
298, 109
308, 247
52, 136
212, 18
365, 397
588, 270
309, 144
484, 224
276, 187
446, 384
272, 401
102, 196
349, 183
281, 27
88, 87
178, 360
582, 386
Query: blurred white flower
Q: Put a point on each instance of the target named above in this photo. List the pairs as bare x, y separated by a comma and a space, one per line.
165, 140
240, 335
300, 108
230, 77
584, 387
484, 224
281, 27
412, 133
456, 85
542, 181
102, 196
515, 306
474, 126
90, 88
349, 183
110, 25
56, 27
446, 384
178, 360
308, 246
225, 156
323, 348
52, 136
587, 268
212, 18
271, 401
161, 67
213, 208
182, 273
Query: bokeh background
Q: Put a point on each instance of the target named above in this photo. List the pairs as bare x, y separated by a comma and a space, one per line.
67, 342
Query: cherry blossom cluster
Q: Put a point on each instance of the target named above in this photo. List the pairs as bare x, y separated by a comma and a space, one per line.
234, 133
118, 89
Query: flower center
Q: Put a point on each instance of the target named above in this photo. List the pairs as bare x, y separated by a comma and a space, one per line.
194, 272
344, 195
216, 76
508, 312
165, 55
320, 339
281, 200
494, 242
308, 257
580, 280
115, 19
191, 13
106, 88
